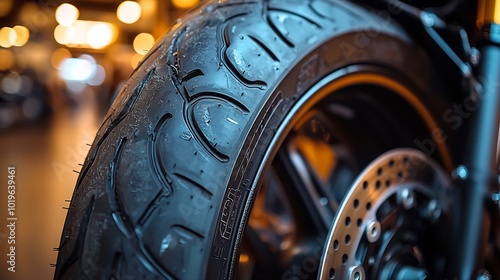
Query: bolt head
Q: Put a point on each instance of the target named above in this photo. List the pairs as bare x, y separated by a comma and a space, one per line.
373, 231
461, 172
433, 210
356, 273
407, 198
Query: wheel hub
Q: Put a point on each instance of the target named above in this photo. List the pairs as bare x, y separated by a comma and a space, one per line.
388, 225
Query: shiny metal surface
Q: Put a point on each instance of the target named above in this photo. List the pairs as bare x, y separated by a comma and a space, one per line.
378, 202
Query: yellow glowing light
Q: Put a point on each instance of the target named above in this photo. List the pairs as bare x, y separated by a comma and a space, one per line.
77, 33
60, 35
135, 60
58, 56
7, 60
86, 34
5, 7
22, 35
143, 43
148, 8
7, 37
66, 14
100, 35
185, 4
496, 13
128, 12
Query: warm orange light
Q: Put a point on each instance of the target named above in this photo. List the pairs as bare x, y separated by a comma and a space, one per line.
8, 37
135, 60
318, 154
74, 35
59, 34
66, 14
143, 43
22, 35
7, 60
128, 12
58, 56
148, 8
100, 35
5, 7
86, 34
185, 4
496, 16
244, 258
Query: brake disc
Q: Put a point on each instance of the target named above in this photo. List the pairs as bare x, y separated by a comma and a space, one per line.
391, 222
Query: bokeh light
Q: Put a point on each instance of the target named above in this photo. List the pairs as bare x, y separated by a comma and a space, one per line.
8, 37
76, 69
5, 7
58, 56
185, 4
71, 35
143, 43
6, 59
76, 34
128, 12
99, 76
100, 35
22, 35
60, 35
85, 34
135, 60
66, 14
11, 83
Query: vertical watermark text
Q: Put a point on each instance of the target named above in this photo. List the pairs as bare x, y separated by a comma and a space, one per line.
11, 218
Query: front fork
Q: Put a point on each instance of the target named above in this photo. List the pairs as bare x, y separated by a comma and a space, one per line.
477, 175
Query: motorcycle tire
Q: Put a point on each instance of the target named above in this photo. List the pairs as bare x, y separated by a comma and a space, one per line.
167, 188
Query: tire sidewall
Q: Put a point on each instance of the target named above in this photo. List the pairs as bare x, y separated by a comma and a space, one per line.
346, 54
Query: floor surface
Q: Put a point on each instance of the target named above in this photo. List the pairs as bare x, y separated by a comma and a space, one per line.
44, 155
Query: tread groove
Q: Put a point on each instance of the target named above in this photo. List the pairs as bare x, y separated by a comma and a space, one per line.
161, 176
265, 48
187, 231
338, 6
196, 129
155, 202
274, 9
192, 74
222, 78
216, 95
234, 70
124, 224
121, 116
201, 189
276, 30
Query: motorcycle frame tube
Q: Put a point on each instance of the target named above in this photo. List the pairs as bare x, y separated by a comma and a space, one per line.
481, 170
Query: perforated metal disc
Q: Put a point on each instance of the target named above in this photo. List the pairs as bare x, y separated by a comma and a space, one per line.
395, 183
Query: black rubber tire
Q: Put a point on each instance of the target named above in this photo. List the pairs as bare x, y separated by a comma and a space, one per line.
165, 188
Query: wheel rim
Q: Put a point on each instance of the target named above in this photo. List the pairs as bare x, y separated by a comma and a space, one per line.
289, 223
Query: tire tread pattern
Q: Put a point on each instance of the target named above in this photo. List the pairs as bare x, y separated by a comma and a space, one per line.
167, 145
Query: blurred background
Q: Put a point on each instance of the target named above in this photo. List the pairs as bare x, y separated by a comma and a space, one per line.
61, 64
